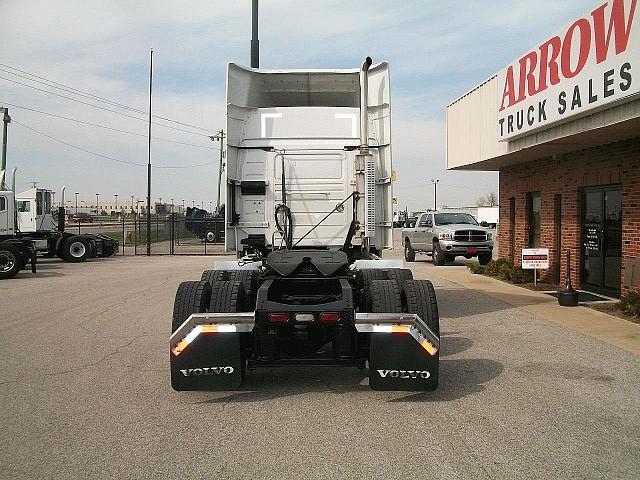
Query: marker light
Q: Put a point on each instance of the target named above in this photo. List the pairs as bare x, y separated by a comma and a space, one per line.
279, 317
304, 317
193, 334
329, 317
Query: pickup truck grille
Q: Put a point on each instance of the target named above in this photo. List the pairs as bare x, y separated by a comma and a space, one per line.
470, 236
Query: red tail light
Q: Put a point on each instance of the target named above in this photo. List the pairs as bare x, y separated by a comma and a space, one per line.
329, 317
279, 317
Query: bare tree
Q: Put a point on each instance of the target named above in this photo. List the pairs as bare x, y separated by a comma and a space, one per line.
490, 200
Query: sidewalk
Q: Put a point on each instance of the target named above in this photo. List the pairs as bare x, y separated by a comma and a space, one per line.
607, 328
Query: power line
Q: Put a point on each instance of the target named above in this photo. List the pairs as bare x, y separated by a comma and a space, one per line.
100, 154
76, 91
102, 108
105, 126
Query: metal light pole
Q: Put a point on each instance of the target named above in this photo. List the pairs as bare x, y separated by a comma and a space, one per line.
172, 205
97, 204
116, 195
77, 193
6, 119
255, 43
149, 161
435, 182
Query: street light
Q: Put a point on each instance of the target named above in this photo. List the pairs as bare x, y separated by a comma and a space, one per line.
77, 193
116, 195
132, 208
97, 204
172, 205
435, 182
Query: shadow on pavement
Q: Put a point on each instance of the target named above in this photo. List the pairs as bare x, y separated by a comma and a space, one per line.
458, 378
464, 302
450, 345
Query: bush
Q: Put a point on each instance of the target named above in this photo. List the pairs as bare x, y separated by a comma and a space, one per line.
630, 303
518, 275
476, 268
493, 267
505, 271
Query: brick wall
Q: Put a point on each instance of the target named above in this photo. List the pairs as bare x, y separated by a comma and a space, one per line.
616, 163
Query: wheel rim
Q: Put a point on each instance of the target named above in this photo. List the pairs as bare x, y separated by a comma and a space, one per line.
77, 250
211, 236
406, 250
7, 262
436, 255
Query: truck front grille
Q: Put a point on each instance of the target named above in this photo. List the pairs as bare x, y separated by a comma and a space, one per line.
470, 236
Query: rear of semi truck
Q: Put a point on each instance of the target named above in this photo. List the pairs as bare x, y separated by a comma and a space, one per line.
308, 213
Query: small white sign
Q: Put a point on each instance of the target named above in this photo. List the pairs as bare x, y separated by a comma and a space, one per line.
535, 258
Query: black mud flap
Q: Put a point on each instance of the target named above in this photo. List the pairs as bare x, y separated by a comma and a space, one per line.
210, 362
206, 354
404, 354
398, 362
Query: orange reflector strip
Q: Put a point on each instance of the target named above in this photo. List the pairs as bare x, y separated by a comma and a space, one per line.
209, 329
177, 350
400, 329
428, 347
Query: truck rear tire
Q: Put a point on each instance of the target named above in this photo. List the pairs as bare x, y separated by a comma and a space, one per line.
249, 279
213, 276
419, 297
399, 275
191, 297
227, 297
409, 252
75, 249
10, 261
384, 297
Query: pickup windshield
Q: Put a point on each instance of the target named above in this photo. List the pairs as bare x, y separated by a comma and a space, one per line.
454, 218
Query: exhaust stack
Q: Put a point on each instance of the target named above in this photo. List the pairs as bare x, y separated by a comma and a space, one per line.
61, 211
364, 95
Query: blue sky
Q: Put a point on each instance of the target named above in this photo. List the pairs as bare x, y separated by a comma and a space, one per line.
437, 51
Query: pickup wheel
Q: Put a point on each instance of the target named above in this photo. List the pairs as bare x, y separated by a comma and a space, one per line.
384, 297
439, 257
409, 252
9, 261
484, 258
191, 297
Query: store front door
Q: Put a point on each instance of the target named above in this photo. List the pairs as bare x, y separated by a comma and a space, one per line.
602, 239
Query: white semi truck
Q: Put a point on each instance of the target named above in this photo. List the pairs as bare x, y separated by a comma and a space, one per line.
28, 227
309, 214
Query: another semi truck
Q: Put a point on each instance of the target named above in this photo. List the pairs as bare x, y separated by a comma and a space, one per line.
309, 214
27, 227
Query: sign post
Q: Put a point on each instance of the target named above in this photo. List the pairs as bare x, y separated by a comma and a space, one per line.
534, 259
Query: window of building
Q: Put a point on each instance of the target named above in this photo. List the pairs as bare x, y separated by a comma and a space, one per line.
3, 204
24, 206
535, 204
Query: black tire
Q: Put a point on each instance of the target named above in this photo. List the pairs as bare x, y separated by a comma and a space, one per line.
419, 297
76, 249
191, 297
399, 275
249, 279
213, 276
484, 258
439, 257
227, 297
384, 297
409, 252
449, 258
108, 251
364, 278
10, 261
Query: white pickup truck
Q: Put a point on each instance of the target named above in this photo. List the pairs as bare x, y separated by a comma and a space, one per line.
445, 235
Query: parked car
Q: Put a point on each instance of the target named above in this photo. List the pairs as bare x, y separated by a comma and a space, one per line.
81, 218
412, 219
445, 235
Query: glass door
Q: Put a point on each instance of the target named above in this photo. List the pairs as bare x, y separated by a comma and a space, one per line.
602, 239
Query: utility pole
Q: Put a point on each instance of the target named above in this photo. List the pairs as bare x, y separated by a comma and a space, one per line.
435, 182
255, 43
149, 162
219, 137
6, 119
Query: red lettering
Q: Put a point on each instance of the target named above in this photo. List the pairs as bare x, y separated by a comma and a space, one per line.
549, 63
618, 24
527, 85
509, 89
585, 45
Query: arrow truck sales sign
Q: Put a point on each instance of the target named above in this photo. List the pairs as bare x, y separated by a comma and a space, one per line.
587, 65
535, 258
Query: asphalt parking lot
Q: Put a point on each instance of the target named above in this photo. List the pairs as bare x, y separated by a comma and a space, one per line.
85, 393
